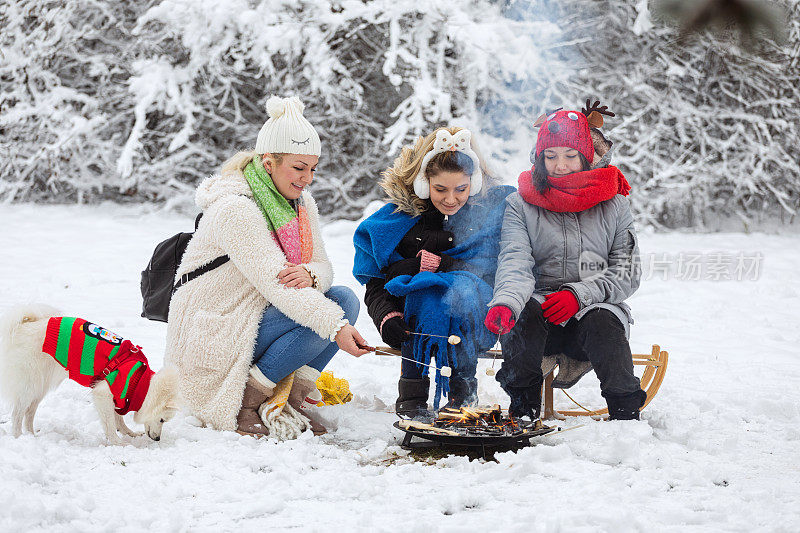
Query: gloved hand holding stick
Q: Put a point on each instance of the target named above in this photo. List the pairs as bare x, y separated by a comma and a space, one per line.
499, 320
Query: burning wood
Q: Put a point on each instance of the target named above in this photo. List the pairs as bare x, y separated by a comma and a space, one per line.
413, 424
473, 426
488, 421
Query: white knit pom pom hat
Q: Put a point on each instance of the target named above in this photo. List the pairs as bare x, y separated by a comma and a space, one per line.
287, 131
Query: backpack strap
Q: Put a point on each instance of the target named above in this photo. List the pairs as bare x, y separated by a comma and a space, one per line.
189, 276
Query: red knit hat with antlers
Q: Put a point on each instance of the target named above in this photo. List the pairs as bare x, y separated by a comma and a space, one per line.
570, 129
565, 128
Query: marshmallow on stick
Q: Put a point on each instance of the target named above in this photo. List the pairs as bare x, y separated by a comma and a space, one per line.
452, 339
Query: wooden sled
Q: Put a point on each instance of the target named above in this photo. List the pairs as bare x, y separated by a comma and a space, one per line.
655, 364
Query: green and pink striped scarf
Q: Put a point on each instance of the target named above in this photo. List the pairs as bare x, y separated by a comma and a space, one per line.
290, 228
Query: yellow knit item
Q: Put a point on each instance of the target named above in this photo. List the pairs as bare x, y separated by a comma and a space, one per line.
274, 405
334, 390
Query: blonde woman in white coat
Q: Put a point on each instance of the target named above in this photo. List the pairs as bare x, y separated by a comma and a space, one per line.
267, 321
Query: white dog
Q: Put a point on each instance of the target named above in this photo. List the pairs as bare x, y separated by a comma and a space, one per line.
27, 373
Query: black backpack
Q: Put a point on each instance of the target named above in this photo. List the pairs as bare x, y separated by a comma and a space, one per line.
159, 276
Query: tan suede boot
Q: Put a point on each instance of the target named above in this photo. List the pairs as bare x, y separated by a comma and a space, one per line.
256, 392
305, 396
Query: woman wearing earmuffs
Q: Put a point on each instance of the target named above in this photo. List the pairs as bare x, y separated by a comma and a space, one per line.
428, 260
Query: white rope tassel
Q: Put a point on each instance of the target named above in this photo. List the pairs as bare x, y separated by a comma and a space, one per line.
284, 424
282, 421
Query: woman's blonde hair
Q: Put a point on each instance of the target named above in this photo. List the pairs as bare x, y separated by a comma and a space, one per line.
398, 180
236, 164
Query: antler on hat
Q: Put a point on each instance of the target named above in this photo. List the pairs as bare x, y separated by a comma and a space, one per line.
445, 141
594, 113
287, 131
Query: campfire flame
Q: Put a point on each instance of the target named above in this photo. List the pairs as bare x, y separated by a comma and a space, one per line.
479, 421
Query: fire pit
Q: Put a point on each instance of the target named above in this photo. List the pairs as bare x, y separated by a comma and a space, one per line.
483, 427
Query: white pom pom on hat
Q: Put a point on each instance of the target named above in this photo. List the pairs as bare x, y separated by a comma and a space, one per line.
287, 131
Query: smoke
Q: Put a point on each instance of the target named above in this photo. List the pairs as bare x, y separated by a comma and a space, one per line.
506, 115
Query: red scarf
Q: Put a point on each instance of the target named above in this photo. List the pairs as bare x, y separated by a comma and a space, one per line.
577, 191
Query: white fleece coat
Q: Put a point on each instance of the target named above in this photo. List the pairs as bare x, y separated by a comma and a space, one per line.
213, 319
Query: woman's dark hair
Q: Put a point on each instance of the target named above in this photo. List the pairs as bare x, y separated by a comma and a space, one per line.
450, 162
539, 175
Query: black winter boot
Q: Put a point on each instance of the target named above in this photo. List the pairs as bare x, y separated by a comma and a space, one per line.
412, 400
625, 406
525, 401
463, 392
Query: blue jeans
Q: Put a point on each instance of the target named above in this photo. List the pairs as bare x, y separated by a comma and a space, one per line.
283, 345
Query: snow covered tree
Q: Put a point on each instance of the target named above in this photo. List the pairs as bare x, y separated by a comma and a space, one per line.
106, 99
705, 128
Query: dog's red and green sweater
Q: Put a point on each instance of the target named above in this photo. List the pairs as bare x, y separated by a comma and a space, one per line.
91, 353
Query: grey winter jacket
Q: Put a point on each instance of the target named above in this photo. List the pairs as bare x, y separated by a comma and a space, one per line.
593, 253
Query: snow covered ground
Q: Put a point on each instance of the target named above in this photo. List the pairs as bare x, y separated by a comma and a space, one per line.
716, 450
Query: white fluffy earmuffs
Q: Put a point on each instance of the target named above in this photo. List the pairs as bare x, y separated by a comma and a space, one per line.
455, 143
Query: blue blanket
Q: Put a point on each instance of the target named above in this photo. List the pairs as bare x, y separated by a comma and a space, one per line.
442, 303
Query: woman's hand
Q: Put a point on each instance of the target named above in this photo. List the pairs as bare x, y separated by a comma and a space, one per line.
499, 320
295, 276
351, 341
395, 332
560, 306
409, 266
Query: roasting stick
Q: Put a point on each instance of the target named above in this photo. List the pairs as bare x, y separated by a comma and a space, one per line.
452, 339
559, 431
446, 371
490, 371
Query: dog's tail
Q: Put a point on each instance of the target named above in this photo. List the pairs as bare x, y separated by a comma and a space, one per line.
13, 318
19, 384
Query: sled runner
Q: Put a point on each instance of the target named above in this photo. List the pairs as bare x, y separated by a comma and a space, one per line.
570, 371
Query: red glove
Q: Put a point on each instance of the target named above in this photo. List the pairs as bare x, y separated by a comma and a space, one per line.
499, 319
560, 306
